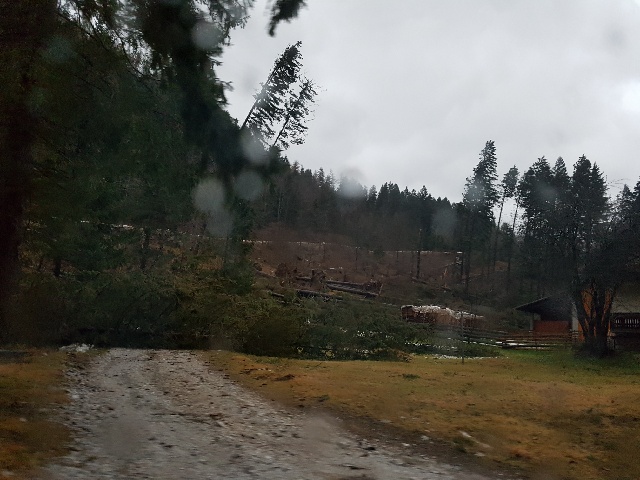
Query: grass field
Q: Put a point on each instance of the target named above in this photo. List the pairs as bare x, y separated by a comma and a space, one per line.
29, 387
548, 414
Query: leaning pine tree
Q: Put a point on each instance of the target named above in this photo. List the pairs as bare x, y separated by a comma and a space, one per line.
298, 108
268, 110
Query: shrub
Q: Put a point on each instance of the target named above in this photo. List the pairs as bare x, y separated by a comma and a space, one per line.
359, 330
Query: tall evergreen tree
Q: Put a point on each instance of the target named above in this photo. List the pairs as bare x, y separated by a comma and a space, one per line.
25, 29
624, 204
481, 192
569, 244
537, 198
479, 198
508, 188
589, 205
269, 108
561, 183
598, 258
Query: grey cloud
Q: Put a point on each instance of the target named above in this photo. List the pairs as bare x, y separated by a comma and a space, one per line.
411, 94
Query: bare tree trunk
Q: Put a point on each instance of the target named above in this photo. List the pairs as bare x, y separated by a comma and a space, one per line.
511, 246
467, 272
57, 267
144, 250
24, 27
419, 253
495, 242
467, 266
284, 125
593, 305
356, 267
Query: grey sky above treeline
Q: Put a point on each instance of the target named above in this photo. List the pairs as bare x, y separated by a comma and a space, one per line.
411, 90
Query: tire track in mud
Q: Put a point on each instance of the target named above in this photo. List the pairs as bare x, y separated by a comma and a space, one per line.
163, 414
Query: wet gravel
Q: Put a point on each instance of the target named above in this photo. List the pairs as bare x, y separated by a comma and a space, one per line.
162, 414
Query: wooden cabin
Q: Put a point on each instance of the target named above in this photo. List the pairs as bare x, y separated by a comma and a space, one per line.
625, 330
557, 314
625, 318
551, 315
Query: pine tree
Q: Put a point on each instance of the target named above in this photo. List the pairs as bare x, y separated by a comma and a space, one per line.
537, 197
481, 193
268, 110
561, 183
625, 207
297, 109
589, 205
508, 188
479, 198
567, 246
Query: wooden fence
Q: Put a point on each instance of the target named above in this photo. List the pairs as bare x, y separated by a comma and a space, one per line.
504, 339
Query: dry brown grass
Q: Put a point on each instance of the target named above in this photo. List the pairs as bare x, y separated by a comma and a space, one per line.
548, 414
28, 391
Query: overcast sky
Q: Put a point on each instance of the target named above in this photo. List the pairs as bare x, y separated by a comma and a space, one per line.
412, 89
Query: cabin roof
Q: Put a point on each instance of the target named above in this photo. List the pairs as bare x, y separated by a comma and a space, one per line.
625, 303
557, 306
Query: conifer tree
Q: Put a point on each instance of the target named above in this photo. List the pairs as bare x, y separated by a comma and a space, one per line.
508, 188
537, 197
268, 110
479, 198
169, 44
297, 110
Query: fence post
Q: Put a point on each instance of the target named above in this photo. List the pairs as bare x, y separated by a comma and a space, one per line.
462, 336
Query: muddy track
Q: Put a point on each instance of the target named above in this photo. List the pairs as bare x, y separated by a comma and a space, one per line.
167, 415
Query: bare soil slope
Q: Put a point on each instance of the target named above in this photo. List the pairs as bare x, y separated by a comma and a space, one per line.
279, 250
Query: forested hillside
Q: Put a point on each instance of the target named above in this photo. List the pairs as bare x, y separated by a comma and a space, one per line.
112, 117
129, 194
388, 219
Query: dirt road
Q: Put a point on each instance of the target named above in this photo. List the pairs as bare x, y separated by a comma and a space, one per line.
167, 415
